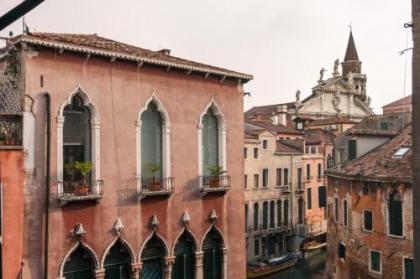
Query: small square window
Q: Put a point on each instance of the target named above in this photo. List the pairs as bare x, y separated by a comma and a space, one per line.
299, 125
313, 149
401, 152
245, 153
365, 190
375, 262
265, 144
384, 126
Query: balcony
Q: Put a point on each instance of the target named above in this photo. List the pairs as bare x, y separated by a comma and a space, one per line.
286, 189
299, 187
156, 187
10, 130
214, 184
76, 191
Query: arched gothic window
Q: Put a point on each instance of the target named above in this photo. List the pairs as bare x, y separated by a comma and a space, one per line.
184, 257
279, 216
152, 258
79, 265
117, 262
210, 144
213, 255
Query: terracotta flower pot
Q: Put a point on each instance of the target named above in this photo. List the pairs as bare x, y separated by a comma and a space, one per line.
82, 190
155, 185
214, 182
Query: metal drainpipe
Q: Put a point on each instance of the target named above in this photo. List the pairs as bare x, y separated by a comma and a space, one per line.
47, 182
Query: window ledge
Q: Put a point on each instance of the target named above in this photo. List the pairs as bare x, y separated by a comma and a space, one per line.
396, 236
64, 199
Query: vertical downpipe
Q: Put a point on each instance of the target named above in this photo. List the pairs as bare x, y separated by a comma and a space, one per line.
47, 182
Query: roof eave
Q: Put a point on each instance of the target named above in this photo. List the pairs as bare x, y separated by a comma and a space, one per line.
244, 78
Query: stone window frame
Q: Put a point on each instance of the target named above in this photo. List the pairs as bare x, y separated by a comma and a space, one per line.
166, 138
336, 208
95, 138
222, 133
380, 262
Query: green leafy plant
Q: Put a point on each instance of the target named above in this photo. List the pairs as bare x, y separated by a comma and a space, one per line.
153, 169
83, 167
216, 170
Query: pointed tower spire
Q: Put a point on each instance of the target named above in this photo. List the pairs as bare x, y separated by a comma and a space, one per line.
351, 52
351, 61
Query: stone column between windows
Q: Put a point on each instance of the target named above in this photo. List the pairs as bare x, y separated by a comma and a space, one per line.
60, 125
135, 270
168, 267
225, 263
199, 265
96, 148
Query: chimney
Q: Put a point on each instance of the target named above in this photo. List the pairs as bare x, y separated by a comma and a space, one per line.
165, 51
282, 115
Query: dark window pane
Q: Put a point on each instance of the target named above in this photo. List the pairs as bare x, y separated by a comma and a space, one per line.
408, 269
375, 261
368, 222
309, 197
352, 149
322, 196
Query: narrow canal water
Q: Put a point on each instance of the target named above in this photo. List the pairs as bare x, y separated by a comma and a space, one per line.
313, 267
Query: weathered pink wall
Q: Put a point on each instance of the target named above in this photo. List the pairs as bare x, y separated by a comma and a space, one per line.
119, 90
12, 178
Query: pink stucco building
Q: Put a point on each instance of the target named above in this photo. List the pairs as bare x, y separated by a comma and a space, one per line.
151, 134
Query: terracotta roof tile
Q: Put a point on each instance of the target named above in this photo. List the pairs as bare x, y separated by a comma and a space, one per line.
381, 164
267, 124
94, 44
400, 102
318, 136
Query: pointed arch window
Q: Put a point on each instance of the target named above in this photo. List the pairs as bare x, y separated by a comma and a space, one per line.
395, 214
184, 257
213, 255
80, 264
212, 149
152, 258
153, 150
117, 262
78, 148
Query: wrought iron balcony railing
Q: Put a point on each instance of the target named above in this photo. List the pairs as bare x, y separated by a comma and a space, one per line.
214, 184
10, 130
69, 191
156, 187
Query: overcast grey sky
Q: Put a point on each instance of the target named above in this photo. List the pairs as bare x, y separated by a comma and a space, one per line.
283, 43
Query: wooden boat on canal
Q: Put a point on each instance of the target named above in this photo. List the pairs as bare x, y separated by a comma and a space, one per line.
313, 245
267, 267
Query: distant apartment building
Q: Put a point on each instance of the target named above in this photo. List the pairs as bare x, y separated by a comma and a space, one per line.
403, 105
370, 210
318, 151
274, 202
285, 190
133, 167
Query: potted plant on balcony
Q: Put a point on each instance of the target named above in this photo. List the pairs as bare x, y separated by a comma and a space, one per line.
215, 173
154, 184
84, 168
